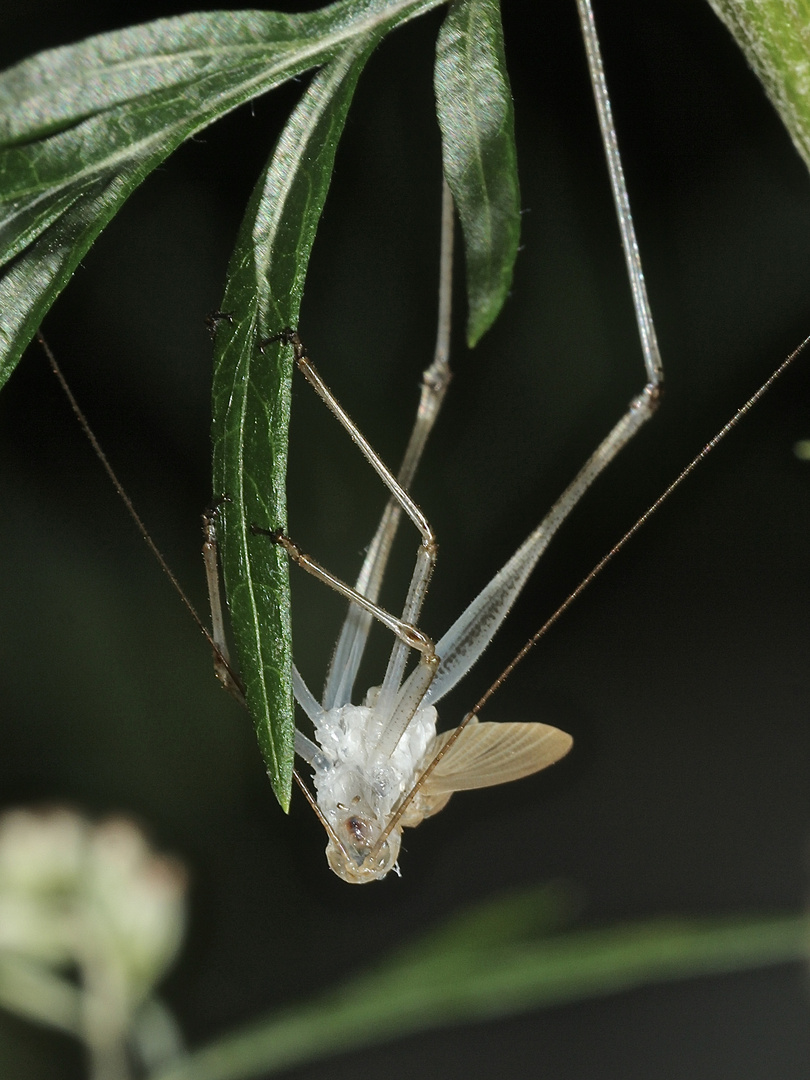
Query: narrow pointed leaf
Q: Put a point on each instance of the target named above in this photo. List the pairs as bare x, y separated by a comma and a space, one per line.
474, 107
82, 126
251, 396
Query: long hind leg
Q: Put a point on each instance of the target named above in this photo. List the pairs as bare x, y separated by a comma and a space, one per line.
472, 632
435, 380
363, 607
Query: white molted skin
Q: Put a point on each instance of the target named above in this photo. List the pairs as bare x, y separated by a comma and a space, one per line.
358, 790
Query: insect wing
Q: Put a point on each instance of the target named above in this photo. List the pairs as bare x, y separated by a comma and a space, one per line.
487, 754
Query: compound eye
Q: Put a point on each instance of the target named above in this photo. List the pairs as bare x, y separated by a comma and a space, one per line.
358, 829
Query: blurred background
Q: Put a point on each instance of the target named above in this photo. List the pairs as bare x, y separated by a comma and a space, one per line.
682, 673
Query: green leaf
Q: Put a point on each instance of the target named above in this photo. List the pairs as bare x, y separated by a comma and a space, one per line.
82, 126
474, 106
492, 962
775, 37
251, 396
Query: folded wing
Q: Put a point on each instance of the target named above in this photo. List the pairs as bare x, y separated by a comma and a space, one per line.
490, 753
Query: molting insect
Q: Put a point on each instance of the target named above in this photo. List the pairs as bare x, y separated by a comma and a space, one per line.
381, 766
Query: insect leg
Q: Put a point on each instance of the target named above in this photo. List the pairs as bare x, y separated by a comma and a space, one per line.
307, 369
435, 380
216, 639
621, 200
410, 697
475, 628
408, 634
435, 383
210, 551
472, 632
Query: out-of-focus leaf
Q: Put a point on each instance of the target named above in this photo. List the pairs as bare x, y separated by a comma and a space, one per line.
474, 106
486, 964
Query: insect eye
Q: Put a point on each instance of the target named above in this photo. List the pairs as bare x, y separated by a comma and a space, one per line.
358, 829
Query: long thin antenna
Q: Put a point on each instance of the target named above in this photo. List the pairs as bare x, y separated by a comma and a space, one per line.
133, 513
600, 566
330, 832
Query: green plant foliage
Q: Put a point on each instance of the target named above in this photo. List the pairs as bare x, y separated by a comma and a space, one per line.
474, 106
499, 958
252, 396
82, 126
775, 37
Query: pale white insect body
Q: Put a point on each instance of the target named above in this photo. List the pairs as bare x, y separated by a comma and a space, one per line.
380, 766
359, 789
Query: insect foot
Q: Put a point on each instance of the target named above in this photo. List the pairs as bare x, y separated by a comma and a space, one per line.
213, 320
287, 336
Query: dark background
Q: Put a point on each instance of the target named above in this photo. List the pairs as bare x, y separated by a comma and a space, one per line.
683, 672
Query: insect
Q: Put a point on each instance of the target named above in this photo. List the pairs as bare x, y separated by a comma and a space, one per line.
363, 845
380, 766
